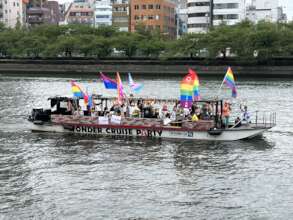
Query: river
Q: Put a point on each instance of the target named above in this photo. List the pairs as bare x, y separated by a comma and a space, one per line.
58, 176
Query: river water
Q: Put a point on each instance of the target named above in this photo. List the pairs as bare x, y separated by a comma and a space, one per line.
58, 176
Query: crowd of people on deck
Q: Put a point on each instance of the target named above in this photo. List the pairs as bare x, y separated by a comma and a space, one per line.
152, 109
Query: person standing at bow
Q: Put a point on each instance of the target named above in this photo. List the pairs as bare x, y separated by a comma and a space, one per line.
226, 113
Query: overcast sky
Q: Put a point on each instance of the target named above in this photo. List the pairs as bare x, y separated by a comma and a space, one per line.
286, 4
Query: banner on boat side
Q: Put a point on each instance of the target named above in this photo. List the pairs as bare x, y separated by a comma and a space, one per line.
118, 131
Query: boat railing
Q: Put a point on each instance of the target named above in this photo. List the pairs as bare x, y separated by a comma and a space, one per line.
265, 119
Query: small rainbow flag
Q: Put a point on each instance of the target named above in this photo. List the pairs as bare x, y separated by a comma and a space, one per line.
230, 82
196, 95
187, 89
76, 90
120, 90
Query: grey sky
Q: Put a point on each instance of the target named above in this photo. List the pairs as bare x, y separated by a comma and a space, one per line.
286, 4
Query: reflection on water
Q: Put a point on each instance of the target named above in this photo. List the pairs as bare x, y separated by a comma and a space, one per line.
61, 176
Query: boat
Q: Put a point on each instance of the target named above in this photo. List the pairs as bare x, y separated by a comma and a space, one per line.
60, 119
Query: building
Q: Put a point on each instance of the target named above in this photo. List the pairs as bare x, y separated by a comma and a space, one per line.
103, 13
205, 13
154, 14
120, 14
267, 10
43, 12
181, 17
80, 12
11, 12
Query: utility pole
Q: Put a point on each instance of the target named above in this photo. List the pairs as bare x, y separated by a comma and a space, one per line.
211, 13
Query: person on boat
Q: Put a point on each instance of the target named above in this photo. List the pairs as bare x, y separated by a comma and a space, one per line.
173, 113
245, 114
205, 112
69, 107
115, 108
135, 112
94, 113
79, 112
147, 110
164, 111
194, 118
226, 113
140, 105
186, 112
237, 122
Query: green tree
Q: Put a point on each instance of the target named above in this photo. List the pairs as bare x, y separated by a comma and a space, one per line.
31, 45
266, 40
219, 40
189, 45
128, 43
151, 47
65, 45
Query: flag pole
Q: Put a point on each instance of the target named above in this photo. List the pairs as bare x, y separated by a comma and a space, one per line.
219, 91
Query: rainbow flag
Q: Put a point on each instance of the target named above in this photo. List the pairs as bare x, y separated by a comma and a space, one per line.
196, 95
120, 90
76, 90
136, 87
186, 90
108, 82
230, 82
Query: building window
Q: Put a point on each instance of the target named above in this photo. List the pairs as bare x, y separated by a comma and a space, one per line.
198, 15
136, 7
158, 6
199, 25
192, 4
151, 17
150, 7
226, 6
226, 17
144, 7
136, 17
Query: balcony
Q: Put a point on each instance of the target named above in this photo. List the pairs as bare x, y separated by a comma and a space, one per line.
35, 19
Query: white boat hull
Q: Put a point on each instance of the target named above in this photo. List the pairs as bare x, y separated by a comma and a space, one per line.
224, 135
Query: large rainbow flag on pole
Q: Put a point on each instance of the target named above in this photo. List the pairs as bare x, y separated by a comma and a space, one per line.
189, 88
120, 90
196, 95
229, 80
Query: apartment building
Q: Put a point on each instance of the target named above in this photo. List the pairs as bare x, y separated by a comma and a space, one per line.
81, 12
120, 14
267, 10
154, 14
204, 13
11, 12
42, 12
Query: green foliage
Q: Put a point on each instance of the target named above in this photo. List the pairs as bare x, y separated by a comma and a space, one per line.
243, 41
127, 43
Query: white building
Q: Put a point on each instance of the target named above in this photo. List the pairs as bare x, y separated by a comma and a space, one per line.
11, 12
103, 13
229, 12
267, 10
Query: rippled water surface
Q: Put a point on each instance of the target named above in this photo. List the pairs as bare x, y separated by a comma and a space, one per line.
58, 176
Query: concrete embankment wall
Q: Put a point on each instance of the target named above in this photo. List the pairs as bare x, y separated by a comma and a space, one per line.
145, 67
